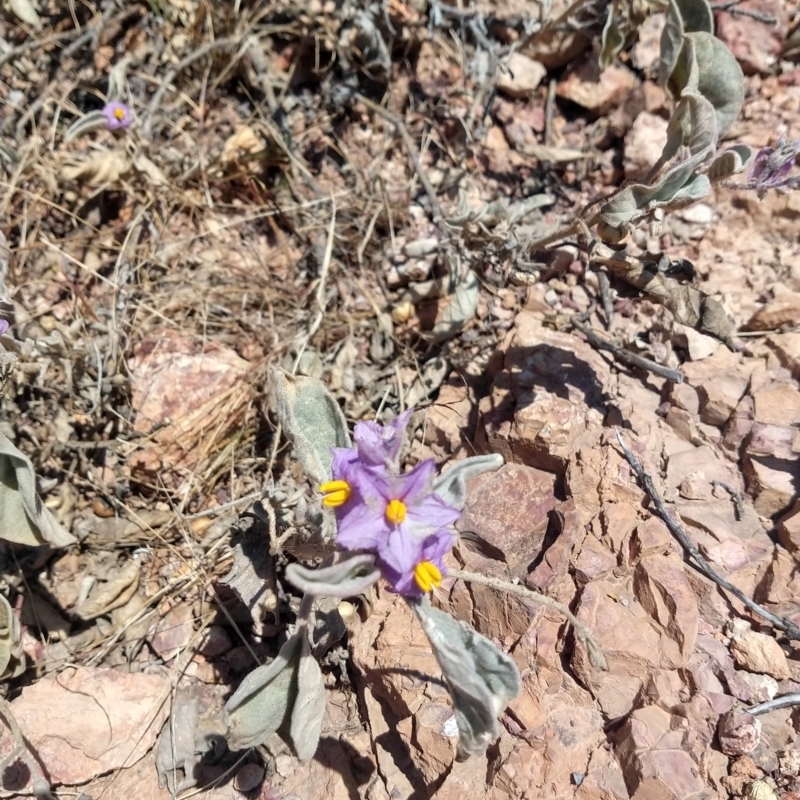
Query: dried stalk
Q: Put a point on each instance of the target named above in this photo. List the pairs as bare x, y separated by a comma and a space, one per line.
585, 636
700, 564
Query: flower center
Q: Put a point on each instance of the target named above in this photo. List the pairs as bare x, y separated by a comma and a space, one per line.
427, 575
119, 113
336, 493
396, 511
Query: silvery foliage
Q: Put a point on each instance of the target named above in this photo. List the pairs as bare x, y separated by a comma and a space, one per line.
287, 695
97, 120
702, 76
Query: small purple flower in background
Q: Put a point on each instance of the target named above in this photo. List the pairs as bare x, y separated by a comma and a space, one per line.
398, 517
4, 326
117, 114
771, 167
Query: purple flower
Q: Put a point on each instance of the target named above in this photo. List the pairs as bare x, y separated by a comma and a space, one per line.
117, 114
3, 326
771, 167
398, 517
380, 445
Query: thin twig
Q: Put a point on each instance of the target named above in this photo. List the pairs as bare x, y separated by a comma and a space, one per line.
585, 636
701, 565
212, 512
605, 296
549, 112
632, 359
784, 701
738, 500
731, 8
399, 125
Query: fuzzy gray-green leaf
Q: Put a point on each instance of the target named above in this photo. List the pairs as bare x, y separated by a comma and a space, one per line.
348, 578
482, 679
451, 486
305, 725
262, 702
611, 40
311, 419
93, 121
731, 162
707, 67
683, 16
23, 517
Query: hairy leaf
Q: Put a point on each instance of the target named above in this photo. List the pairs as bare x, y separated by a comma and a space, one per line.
312, 421
481, 678
731, 162
23, 518
305, 725
93, 121
693, 125
348, 578
705, 66
452, 485
262, 702
635, 201
612, 39
683, 16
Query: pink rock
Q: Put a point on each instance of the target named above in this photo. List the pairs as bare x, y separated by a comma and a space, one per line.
739, 733
664, 592
594, 561
782, 310
643, 144
597, 91
755, 44
173, 632
508, 510
629, 641
84, 722
652, 753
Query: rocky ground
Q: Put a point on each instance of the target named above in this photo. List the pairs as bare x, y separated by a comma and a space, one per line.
266, 209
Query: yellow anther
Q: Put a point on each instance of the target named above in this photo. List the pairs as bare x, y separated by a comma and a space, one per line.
396, 511
119, 113
337, 493
427, 575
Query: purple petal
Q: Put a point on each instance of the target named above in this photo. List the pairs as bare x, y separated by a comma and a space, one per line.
417, 483
399, 551
760, 162
380, 445
3, 326
360, 527
342, 462
436, 547
429, 515
117, 115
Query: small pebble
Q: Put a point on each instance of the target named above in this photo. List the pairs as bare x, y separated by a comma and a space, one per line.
248, 778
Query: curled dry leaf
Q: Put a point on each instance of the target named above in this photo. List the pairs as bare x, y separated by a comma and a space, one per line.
105, 166
24, 11
460, 308
23, 518
111, 594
